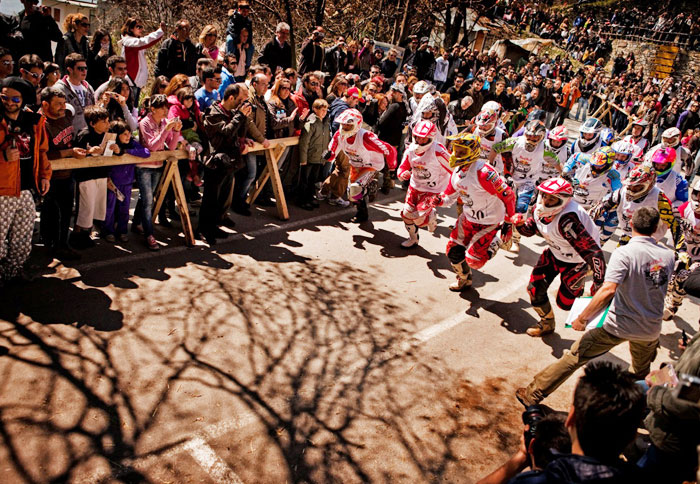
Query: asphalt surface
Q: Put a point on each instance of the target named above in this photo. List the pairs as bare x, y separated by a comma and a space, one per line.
312, 350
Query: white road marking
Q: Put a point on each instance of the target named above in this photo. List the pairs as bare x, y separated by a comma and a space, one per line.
205, 456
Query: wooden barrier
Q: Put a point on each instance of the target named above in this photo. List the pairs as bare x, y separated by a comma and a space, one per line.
606, 108
171, 176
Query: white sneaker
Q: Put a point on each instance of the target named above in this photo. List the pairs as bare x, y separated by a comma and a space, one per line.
339, 202
432, 224
320, 196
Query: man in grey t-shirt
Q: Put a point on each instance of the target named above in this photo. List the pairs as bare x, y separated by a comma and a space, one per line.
636, 280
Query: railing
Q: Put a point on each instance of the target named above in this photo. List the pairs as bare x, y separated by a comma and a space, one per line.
171, 176
643, 34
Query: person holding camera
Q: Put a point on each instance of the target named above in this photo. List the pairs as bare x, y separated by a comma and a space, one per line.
38, 29
544, 438
312, 54
674, 422
607, 408
224, 124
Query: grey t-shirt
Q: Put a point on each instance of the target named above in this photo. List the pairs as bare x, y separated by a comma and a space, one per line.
642, 269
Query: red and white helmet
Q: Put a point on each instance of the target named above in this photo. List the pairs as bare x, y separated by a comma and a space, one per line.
640, 181
671, 137
486, 121
559, 136
494, 106
350, 122
557, 187
426, 131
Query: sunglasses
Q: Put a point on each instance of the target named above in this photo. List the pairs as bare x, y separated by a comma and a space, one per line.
284, 89
84, 24
138, 26
8, 62
314, 84
33, 74
14, 99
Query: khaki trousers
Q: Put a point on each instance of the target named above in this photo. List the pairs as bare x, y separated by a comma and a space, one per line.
592, 344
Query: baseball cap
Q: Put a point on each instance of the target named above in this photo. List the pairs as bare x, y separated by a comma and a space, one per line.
354, 92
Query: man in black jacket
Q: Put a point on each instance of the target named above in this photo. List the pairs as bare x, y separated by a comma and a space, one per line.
312, 54
238, 20
38, 30
224, 124
177, 55
277, 52
390, 127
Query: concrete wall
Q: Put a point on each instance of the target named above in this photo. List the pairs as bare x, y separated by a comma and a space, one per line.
687, 63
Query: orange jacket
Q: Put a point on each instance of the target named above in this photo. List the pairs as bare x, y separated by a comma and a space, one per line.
9, 171
573, 96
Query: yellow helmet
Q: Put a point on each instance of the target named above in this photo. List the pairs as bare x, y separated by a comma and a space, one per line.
466, 149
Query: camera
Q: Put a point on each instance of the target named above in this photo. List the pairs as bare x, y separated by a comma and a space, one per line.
531, 417
688, 388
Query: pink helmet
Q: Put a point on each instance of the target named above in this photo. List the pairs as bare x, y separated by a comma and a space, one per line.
424, 129
349, 117
663, 159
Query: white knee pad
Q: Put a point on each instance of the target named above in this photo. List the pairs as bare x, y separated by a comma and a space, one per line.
355, 192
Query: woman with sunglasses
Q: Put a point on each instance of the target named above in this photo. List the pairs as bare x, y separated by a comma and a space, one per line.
207, 46
133, 48
77, 27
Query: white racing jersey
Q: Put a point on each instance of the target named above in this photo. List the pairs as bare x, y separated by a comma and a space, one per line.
358, 154
430, 171
589, 189
527, 165
560, 247
626, 209
691, 229
478, 204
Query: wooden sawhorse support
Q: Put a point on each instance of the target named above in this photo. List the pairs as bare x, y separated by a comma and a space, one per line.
273, 156
171, 177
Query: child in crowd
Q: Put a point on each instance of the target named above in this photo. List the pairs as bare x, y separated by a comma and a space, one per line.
92, 182
313, 142
157, 134
183, 105
119, 183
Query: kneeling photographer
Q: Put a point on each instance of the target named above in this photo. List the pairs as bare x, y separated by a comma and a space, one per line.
544, 438
674, 421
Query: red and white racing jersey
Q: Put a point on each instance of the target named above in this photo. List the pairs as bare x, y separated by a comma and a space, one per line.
430, 171
560, 247
484, 194
364, 150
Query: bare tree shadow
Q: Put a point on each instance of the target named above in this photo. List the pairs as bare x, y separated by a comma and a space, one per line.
312, 352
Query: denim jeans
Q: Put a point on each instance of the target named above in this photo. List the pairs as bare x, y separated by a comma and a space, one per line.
582, 106
240, 189
147, 180
523, 201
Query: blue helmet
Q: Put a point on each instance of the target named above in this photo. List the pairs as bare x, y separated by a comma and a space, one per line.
607, 136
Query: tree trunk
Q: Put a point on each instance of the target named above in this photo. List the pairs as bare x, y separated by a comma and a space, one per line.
395, 30
404, 23
290, 21
448, 23
379, 18
320, 12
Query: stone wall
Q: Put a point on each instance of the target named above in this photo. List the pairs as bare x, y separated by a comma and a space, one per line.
687, 62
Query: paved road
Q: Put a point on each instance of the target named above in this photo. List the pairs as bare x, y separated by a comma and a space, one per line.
313, 350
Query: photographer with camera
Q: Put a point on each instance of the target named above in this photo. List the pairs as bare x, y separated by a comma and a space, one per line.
38, 29
312, 54
544, 438
674, 421
225, 126
606, 411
